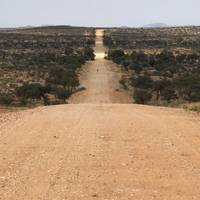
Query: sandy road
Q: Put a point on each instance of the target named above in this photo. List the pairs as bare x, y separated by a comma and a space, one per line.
100, 150
101, 79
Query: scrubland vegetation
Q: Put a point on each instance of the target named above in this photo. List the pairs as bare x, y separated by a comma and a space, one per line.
162, 65
42, 64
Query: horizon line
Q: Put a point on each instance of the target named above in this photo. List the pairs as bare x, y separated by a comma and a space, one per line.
122, 26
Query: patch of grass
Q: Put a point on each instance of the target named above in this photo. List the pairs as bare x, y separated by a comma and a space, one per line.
192, 106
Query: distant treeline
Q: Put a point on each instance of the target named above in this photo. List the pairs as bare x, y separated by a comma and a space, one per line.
182, 37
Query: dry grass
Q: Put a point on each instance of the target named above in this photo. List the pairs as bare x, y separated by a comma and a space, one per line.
192, 106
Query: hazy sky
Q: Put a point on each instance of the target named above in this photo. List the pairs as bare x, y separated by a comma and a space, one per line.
98, 12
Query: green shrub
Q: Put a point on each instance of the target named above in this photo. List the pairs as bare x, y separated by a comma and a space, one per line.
32, 91
168, 94
118, 56
142, 82
89, 53
62, 93
108, 41
142, 96
6, 99
66, 78
188, 86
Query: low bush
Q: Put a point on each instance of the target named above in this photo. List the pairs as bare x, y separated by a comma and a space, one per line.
142, 96
32, 91
89, 53
142, 82
6, 99
62, 93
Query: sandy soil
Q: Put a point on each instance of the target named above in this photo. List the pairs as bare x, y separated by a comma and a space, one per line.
100, 151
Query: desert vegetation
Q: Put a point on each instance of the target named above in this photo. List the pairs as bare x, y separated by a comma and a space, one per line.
162, 65
41, 65
184, 38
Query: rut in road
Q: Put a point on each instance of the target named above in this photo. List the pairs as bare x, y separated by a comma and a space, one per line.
99, 148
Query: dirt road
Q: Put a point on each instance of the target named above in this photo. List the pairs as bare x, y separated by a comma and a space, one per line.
101, 79
100, 151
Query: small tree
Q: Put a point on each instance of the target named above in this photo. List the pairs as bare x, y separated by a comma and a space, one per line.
136, 67
63, 77
89, 53
142, 96
142, 82
6, 99
168, 94
160, 85
166, 57
62, 93
32, 91
188, 86
118, 56
69, 51
108, 41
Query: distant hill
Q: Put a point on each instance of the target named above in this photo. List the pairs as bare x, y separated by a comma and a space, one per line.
16, 28
156, 25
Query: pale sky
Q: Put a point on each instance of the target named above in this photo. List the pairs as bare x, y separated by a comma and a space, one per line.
98, 12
